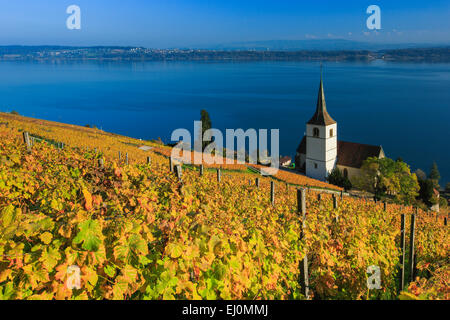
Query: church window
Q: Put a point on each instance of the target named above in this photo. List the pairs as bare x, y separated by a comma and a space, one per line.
315, 165
331, 132
316, 132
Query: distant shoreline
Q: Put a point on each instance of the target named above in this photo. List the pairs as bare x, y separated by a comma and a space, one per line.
56, 53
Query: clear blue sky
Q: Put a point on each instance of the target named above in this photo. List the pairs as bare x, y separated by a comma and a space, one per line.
177, 23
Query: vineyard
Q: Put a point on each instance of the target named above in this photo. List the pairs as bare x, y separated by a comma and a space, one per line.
138, 230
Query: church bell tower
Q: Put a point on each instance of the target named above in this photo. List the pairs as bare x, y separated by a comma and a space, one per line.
321, 140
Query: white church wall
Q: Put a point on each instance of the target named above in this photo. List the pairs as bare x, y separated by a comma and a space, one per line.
310, 130
313, 172
315, 148
352, 173
331, 154
324, 132
322, 171
329, 166
332, 127
321, 151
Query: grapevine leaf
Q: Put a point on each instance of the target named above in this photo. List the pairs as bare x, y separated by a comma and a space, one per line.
46, 237
89, 231
87, 199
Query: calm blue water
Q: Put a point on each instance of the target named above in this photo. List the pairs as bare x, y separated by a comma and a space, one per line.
403, 107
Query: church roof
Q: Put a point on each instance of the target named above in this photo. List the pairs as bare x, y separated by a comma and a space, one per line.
321, 116
302, 146
350, 154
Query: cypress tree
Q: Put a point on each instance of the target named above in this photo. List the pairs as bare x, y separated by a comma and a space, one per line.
435, 175
206, 125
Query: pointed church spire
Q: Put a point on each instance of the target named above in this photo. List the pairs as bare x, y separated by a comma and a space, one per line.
321, 117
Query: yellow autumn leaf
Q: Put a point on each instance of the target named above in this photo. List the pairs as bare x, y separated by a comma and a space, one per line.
46, 237
175, 251
407, 296
87, 199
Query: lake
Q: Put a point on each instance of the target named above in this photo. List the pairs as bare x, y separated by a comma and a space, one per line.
403, 107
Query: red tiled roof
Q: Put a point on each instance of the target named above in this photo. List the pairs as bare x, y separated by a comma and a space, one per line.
351, 154
285, 159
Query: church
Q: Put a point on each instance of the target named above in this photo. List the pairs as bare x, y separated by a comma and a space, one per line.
320, 151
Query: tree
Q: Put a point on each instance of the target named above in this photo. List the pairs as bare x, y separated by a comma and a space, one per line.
335, 176
206, 125
338, 179
388, 177
347, 184
426, 192
14, 112
435, 175
421, 175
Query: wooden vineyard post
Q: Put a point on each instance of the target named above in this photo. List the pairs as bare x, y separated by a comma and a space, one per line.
257, 182
219, 177
120, 156
171, 164
272, 192
126, 158
201, 170
301, 201
301, 207
402, 248
319, 200
26, 139
385, 205
178, 171
101, 163
445, 221
335, 206
342, 194
411, 247
149, 160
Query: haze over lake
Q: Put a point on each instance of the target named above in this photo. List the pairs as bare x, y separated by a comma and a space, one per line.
403, 107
